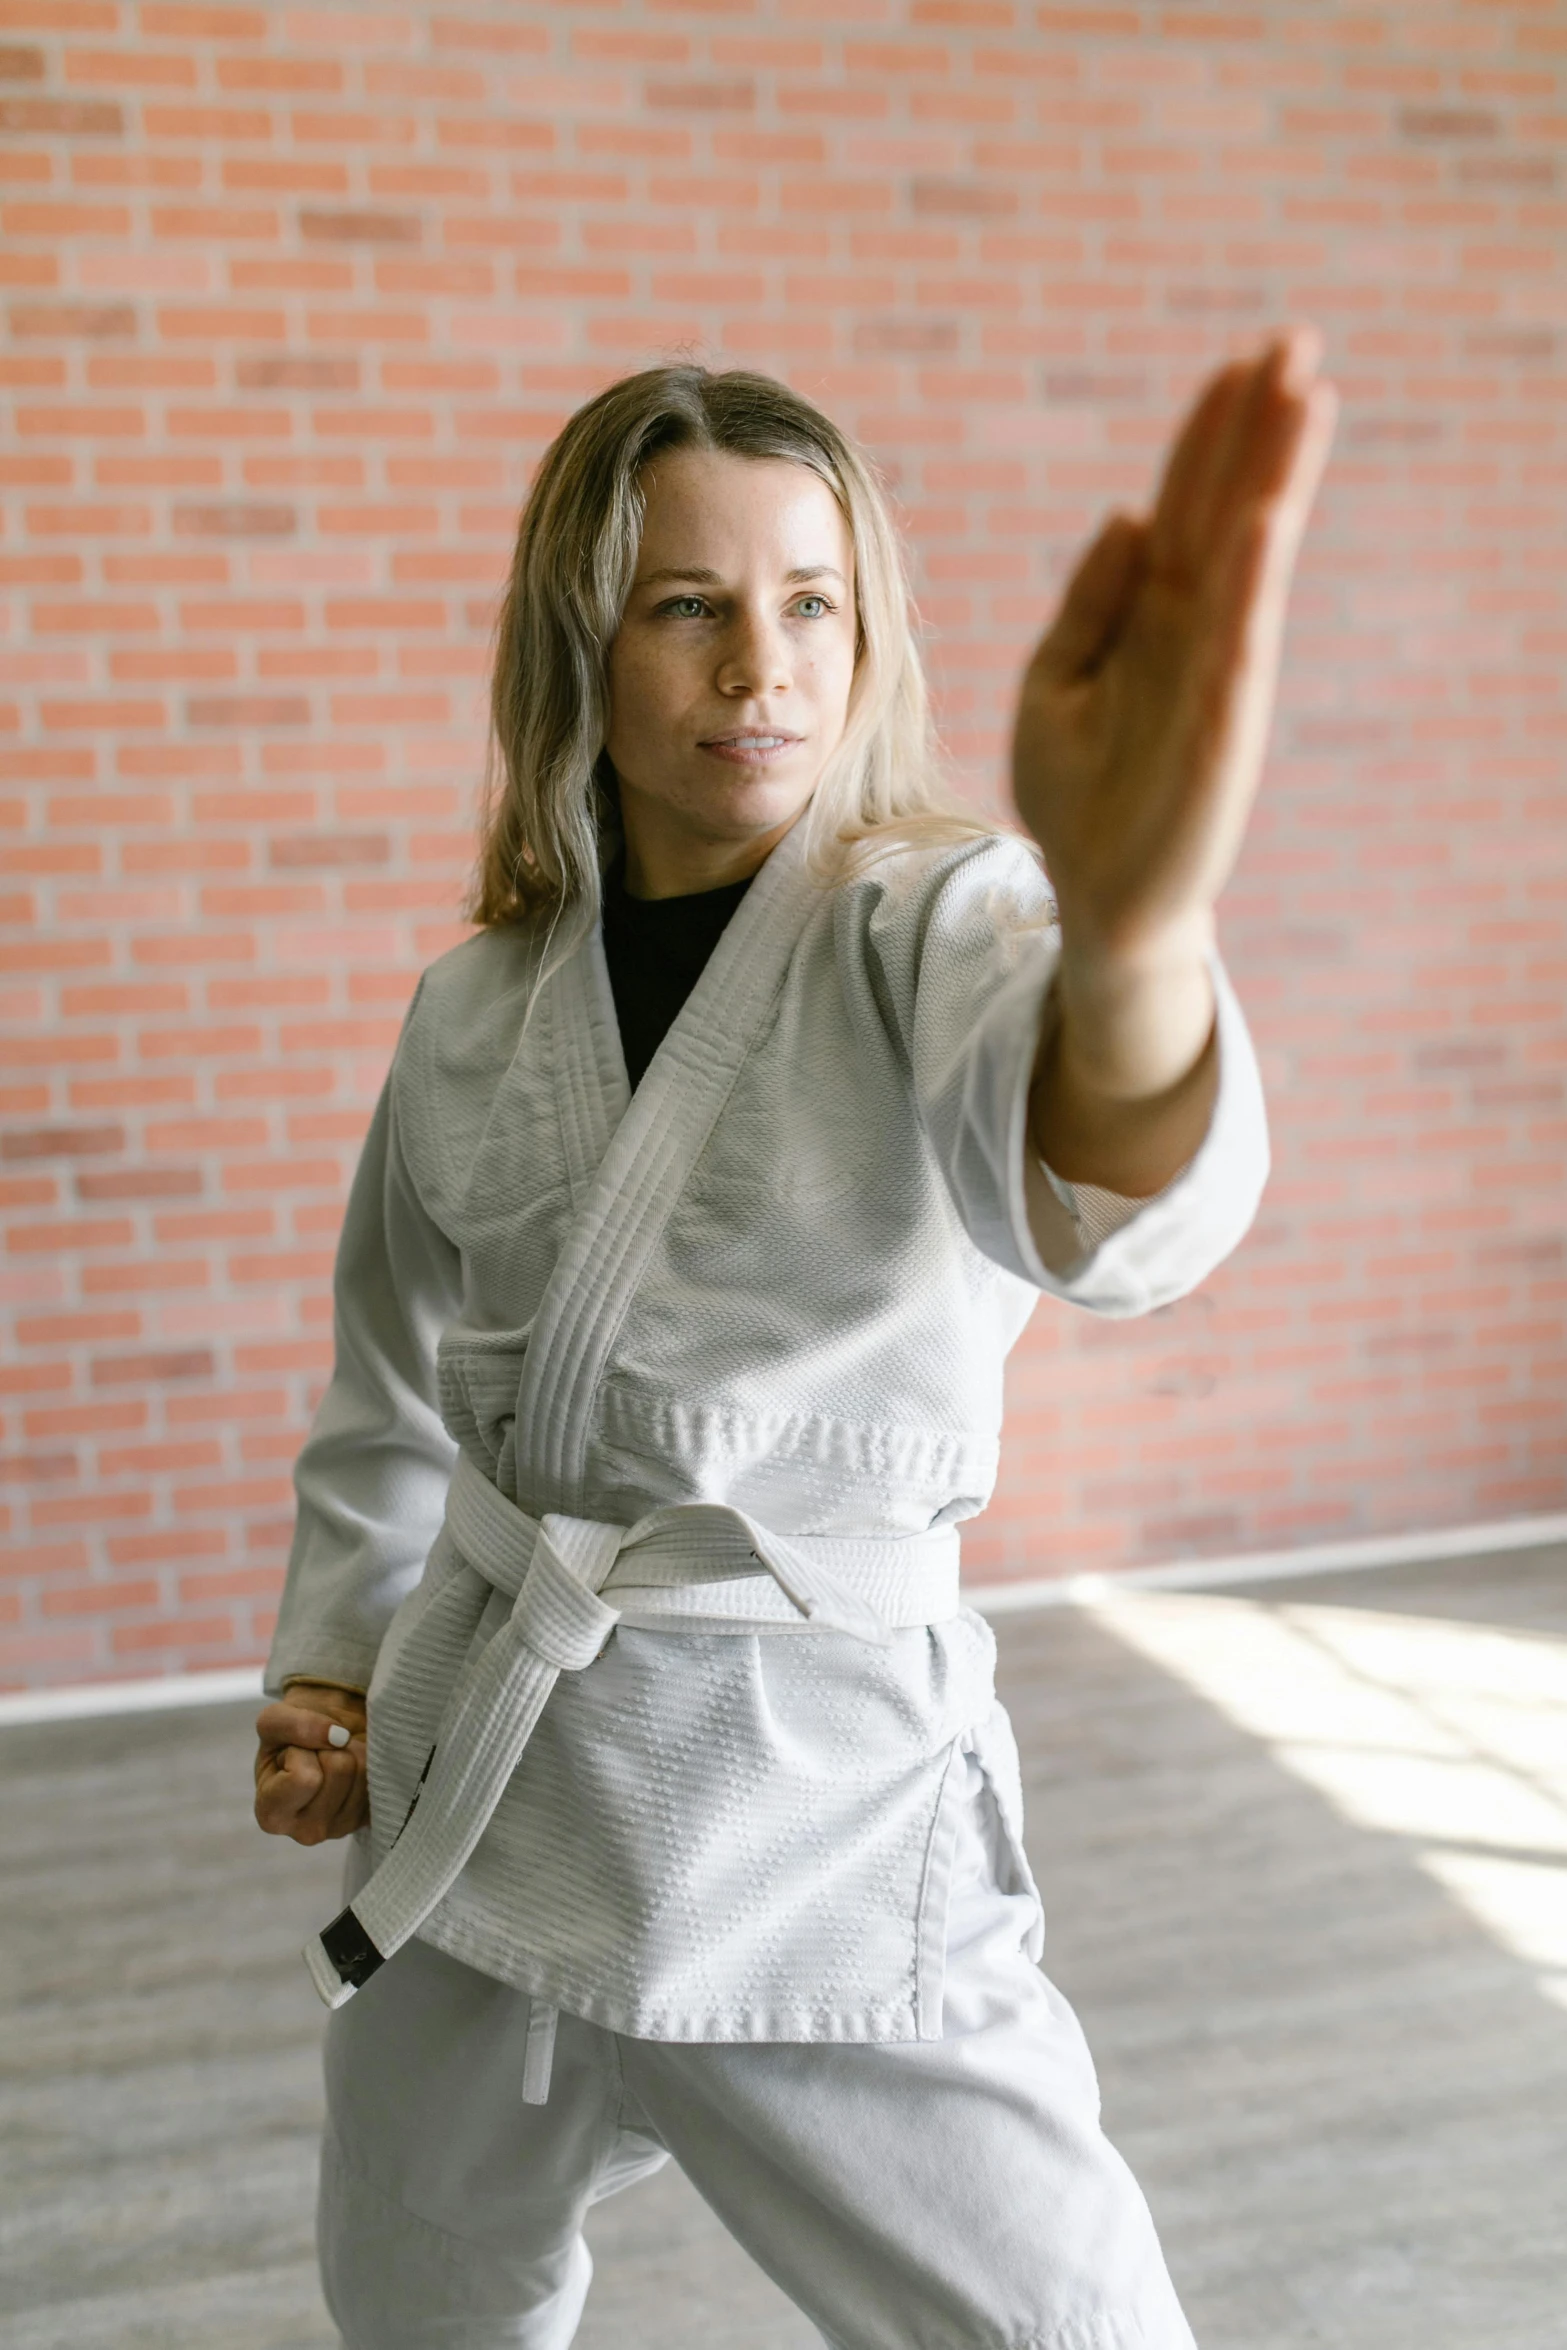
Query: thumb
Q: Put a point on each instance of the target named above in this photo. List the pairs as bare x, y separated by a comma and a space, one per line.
1096, 598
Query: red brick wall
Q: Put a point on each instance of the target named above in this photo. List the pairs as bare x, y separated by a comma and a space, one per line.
296, 295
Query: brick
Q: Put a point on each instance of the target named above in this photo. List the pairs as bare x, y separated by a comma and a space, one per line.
196, 1634
270, 1084
279, 73
214, 1224
361, 227
52, 1142
32, 370
1448, 122
236, 518
95, 618
119, 371
248, 710
182, 667
88, 422
28, 1659
298, 371
27, 1379
128, 1280
99, 1598
46, 1560
28, 269
335, 850
114, 167
142, 1183
146, 1369
78, 118
73, 319
83, 1233
29, 167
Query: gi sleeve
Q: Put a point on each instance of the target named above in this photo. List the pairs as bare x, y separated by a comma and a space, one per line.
372, 1476
976, 989
1094, 1212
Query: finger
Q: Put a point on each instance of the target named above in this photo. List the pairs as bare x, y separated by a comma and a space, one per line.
1301, 356
282, 1724
1288, 428
339, 1804
1242, 650
300, 1790
291, 1774
1250, 455
1245, 633
1173, 544
341, 1801
287, 1782
1095, 601
1212, 492
1308, 457
1275, 506
1254, 594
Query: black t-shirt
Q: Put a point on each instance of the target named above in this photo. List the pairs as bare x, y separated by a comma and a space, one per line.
657, 949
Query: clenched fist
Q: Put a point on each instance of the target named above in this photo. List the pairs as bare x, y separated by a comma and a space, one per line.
311, 1777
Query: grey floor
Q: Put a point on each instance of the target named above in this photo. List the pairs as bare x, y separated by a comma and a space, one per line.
1343, 2085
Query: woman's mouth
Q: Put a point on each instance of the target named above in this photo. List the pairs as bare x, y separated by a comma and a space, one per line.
751, 746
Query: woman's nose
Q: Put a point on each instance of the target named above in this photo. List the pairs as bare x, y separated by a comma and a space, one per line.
754, 658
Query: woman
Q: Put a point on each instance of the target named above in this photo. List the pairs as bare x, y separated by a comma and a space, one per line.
712, 1181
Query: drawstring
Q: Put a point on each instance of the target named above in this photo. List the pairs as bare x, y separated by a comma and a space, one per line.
539, 2054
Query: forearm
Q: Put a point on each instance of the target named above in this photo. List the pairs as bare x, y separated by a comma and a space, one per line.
1127, 1073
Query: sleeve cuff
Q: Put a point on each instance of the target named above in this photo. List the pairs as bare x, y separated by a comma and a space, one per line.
341, 1665
1144, 1253
1097, 1212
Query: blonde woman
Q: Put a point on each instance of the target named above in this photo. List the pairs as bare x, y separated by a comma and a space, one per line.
712, 1181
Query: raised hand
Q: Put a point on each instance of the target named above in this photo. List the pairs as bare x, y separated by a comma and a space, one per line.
1141, 729
1144, 713
311, 1779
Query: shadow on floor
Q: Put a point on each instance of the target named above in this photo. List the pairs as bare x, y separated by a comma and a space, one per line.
1346, 2098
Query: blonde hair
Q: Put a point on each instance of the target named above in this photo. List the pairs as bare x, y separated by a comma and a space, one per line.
549, 789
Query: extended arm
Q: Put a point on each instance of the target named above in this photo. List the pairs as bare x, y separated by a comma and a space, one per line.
1140, 737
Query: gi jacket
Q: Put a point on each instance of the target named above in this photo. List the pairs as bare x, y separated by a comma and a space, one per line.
783, 1275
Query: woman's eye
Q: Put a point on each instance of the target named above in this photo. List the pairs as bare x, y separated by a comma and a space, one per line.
686, 607
819, 602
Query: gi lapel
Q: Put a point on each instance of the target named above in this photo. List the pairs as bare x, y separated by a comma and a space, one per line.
656, 1144
586, 1063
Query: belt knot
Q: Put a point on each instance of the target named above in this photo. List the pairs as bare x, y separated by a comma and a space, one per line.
558, 1611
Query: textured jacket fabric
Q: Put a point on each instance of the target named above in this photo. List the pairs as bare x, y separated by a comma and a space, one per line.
782, 1276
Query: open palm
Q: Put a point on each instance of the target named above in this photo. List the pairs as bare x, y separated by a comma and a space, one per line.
1144, 713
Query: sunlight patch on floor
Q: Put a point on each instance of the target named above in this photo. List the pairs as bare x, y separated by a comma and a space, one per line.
1449, 1736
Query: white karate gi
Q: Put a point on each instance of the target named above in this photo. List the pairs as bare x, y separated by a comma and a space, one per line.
723, 1360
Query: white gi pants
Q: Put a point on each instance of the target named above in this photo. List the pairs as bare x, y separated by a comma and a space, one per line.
952, 2194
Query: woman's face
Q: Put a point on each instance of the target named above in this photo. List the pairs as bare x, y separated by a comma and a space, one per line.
729, 678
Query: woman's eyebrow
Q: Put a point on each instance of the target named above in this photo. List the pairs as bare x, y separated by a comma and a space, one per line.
680, 571
706, 578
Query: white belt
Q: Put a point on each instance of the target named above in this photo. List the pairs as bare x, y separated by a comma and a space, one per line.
696, 1567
